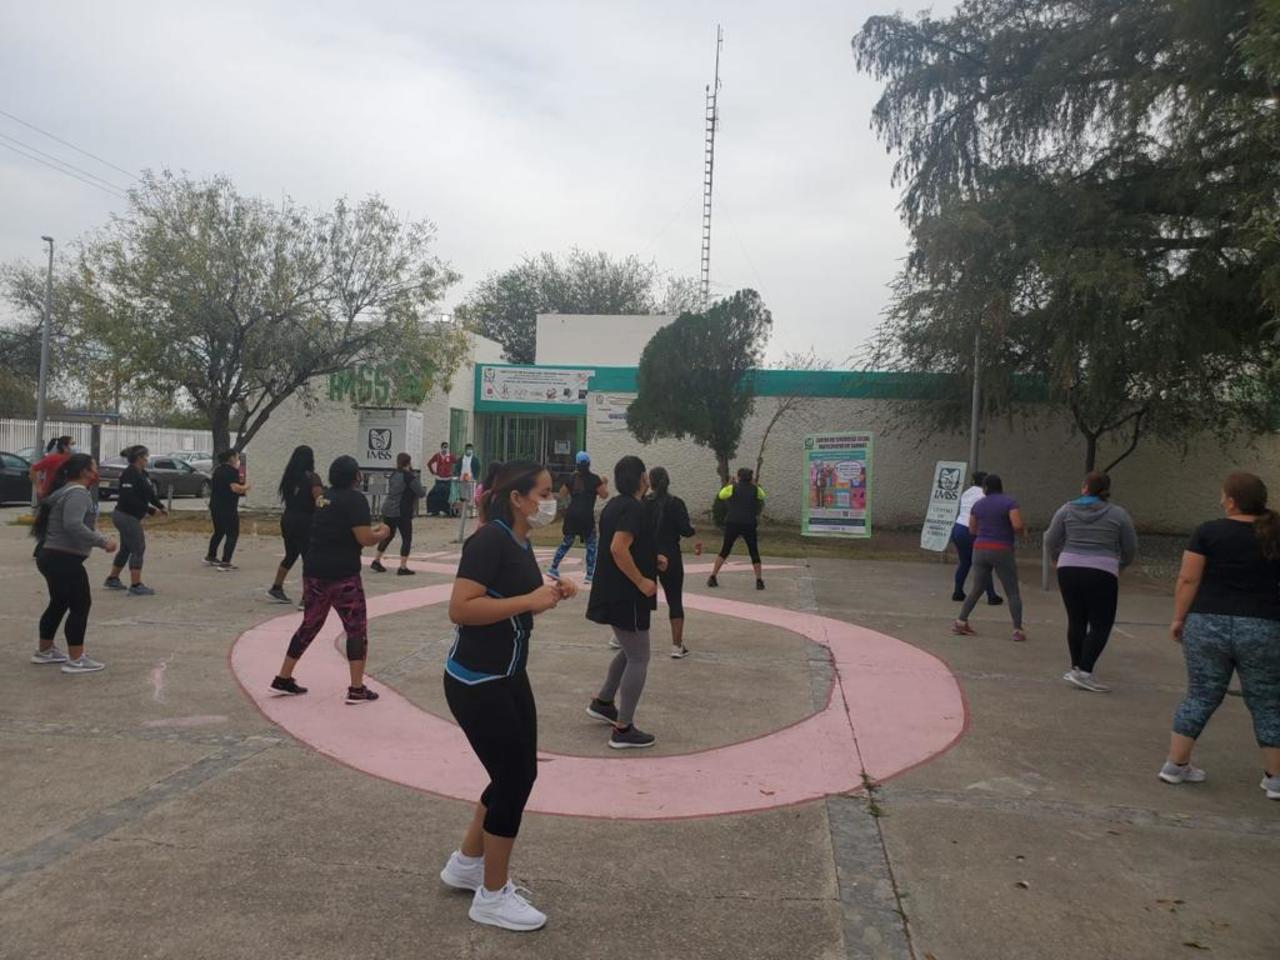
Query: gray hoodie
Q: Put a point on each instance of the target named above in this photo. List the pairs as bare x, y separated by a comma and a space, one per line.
72, 521
1093, 527
400, 483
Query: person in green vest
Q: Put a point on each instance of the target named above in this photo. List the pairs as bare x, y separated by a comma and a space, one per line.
745, 501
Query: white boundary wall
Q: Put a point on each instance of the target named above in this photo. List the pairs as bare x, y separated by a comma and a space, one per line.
18, 434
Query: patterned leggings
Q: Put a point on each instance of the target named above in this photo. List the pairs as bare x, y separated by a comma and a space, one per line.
1215, 645
346, 597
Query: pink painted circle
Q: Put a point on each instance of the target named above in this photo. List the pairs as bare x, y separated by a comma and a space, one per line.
891, 706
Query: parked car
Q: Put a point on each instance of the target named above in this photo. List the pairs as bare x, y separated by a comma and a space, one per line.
201, 460
15, 484
30, 454
165, 471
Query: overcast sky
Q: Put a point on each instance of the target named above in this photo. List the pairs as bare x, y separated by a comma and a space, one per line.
515, 127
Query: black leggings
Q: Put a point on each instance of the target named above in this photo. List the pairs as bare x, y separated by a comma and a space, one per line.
500, 720
672, 580
1090, 597
295, 528
226, 523
402, 525
69, 595
747, 531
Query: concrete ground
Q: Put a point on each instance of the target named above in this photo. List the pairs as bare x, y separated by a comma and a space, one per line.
151, 811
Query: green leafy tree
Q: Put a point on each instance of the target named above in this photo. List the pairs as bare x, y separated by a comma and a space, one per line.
1082, 184
505, 306
693, 377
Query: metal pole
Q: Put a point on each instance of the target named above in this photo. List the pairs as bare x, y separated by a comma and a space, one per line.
976, 408
44, 360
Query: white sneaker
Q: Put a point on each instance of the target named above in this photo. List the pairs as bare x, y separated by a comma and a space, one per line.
83, 665
1272, 786
52, 655
506, 909
460, 876
1085, 681
613, 643
1172, 773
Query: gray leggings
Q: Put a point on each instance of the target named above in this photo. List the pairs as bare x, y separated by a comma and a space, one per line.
1216, 644
1002, 564
627, 673
133, 541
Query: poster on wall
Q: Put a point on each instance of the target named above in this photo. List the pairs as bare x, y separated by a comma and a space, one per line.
608, 412
837, 477
944, 504
534, 385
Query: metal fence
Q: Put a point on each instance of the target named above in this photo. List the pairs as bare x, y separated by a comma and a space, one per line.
16, 435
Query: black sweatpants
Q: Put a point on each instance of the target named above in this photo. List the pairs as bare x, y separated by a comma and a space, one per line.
500, 720
402, 525
672, 580
226, 523
1090, 597
69, 595
295, 529
747, 531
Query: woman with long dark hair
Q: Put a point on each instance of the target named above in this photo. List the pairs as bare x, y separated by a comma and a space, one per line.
1092, 540
300, 487
996, 523
745, 501
66, 528
583, 488
404, 490
1226, 615
138, 499
670, 520
498, 591
623, 597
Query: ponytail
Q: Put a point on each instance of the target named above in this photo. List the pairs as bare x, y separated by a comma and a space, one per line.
1097, 484
1250, 496
74, 466
1267, 529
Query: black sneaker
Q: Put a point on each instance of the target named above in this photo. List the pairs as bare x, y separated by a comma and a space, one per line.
377, 567
995, 601
113, 583
278, 595
211, 561
957, 596
759, 584
597, 709
712, 581
631, 738
405, 572
360, 695
289, 687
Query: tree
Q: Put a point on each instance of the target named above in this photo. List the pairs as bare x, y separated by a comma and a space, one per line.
786, 404
693, 376
505, 306
240, 304
1082, 181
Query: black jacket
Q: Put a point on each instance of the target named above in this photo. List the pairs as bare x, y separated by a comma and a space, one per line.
138, 496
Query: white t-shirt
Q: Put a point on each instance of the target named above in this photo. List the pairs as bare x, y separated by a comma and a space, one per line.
967, 500
468, 471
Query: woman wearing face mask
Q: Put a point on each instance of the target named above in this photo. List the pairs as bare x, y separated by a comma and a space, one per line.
138, 499
498, 591
623, 596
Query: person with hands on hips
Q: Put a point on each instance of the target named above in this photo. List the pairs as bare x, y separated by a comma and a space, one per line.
498, 591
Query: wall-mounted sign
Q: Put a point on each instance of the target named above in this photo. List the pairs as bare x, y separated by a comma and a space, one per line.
381, 434
367, 383
944, 504
837, 478
534, 385
608, 412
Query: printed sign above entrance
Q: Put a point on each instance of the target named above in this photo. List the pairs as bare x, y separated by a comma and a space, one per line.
381, 433
541, 385
944, 504
837, 477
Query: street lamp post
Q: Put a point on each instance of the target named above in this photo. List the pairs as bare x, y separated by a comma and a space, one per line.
44, 357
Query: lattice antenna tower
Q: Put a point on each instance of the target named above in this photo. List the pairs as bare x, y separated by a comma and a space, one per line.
708, 170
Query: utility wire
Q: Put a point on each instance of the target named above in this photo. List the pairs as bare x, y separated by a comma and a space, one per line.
76, 176
66, 143
62, 163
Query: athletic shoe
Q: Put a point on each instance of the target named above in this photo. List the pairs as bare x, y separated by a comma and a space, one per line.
462, 876
405, 572
141, 590
506, 909
962, 628
377, 567
957, 596
113, 583
1019, 635
278, 595
287, 686
1085, 681
83, 665
680, 652
226, 566
52, 655
759, 584
1271, 784
597, 709
1184, 773
360, 695
631, 738
211, 561
994, 601
553, 573
613, 643
586, 581
712, 581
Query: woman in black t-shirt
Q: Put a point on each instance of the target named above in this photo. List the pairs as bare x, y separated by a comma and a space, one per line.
1227, 618
670, 520
498, 591
745, 501
623, 596
300, 488
583, 488
224, 509
331, 579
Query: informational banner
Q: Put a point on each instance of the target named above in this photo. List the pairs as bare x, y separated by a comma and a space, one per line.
944, 504
534, 385
608, 412
837, 476
381, 433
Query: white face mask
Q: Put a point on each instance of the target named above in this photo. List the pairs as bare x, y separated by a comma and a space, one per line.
545, 515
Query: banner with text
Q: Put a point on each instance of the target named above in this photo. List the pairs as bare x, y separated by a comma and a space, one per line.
609, 412
534, 385
944, 504
837, 477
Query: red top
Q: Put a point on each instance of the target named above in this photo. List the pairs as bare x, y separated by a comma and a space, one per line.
45, 468
441, 465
